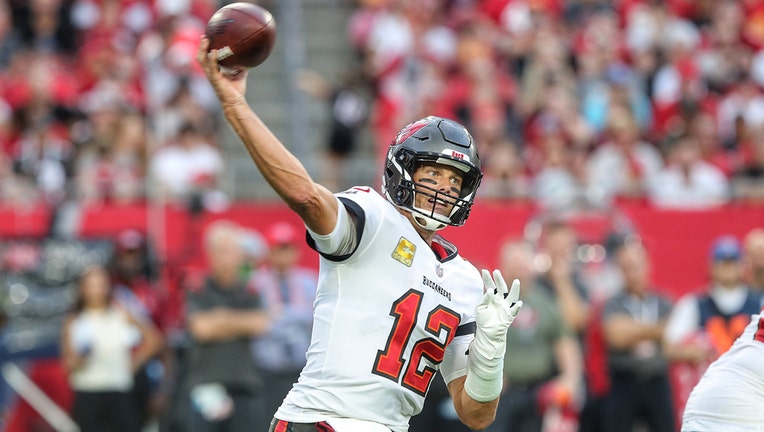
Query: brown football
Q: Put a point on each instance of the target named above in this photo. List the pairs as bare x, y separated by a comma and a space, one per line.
243, 33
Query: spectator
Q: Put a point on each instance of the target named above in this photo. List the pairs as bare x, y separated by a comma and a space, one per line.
565, 280
721, 311
222, 384
618, 86
45, 26
561, 275
287, 290
753, 254
42, 160
744, 101
633, 324
703, 326
348, 107
102, 346
624, 165
723, 59
10, 38
559, 185
703, 129
187, 168
687, 181
545, 355
748, 180
113, 171
135, 276
504, 174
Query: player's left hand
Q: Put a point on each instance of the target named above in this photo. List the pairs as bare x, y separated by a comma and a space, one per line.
496, 312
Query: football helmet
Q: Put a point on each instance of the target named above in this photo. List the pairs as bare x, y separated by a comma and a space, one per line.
432, 140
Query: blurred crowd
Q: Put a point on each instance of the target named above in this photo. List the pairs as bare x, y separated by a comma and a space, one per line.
580, 103
573, 103
100, 98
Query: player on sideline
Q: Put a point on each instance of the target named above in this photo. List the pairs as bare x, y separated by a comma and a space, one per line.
730, 395
395, 301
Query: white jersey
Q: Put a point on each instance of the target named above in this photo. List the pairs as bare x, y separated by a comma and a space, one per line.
387, 315
730, 395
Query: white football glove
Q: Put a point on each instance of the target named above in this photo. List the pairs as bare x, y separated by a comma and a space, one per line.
494, 314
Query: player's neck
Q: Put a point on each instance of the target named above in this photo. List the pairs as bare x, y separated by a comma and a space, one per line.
426, 234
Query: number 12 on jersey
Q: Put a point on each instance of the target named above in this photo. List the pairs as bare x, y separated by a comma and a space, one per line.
390, 362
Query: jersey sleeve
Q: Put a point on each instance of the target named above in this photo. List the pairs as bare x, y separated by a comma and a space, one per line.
359, 212
454, 363
341, 241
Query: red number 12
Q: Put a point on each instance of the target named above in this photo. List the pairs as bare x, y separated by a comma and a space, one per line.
390, 362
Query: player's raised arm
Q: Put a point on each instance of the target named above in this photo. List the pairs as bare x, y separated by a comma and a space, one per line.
284, 173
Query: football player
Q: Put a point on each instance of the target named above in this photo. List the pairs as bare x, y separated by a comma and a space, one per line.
395, 302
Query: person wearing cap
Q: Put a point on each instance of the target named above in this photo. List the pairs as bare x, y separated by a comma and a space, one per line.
722, 311
704, 325
287, 290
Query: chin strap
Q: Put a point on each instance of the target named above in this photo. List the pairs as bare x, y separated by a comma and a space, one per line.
428, 223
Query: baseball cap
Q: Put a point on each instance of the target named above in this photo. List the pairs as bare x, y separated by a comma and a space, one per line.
281, 234
726, 248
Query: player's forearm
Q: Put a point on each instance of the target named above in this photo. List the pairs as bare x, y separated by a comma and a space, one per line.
474, 414
283, 172
315, 205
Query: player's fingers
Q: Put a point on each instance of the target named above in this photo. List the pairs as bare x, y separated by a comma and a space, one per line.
514, 292
515, 309
490, 287
501, 286
204, 46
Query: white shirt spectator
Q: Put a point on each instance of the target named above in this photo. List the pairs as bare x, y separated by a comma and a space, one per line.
180, 169
689, 182
704, 186
611, 170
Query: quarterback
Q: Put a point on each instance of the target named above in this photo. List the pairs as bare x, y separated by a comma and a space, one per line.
395, 301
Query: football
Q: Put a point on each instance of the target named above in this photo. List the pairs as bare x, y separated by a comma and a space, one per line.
243, 33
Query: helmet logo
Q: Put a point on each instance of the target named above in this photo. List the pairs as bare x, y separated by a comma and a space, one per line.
456, 155
409, 130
